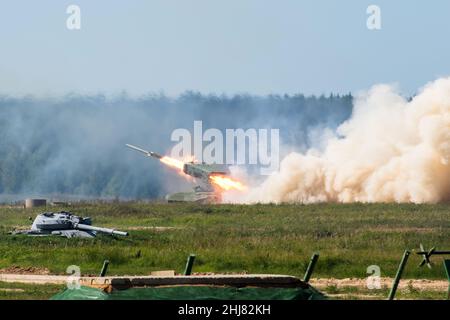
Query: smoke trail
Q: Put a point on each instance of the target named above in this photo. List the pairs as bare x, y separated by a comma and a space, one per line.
390, 150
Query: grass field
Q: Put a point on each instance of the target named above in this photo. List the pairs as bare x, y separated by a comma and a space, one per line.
238, 238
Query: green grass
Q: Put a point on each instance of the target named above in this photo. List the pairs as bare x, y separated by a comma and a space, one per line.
20, 291
239, 238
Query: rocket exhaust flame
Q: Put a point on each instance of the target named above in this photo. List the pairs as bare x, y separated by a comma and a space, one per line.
189, 170
223, 182
171, 162
227, 183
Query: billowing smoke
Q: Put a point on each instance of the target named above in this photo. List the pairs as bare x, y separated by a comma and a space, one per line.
390, 150
75, 145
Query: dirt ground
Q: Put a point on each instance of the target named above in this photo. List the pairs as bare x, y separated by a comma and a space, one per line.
28, 270
419, 284
319, 283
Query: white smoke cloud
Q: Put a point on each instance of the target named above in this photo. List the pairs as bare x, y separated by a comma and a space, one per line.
390, 150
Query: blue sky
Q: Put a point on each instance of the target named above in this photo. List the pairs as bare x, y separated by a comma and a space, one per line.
232, 46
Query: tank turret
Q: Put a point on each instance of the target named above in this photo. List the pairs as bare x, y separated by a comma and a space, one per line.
67, 225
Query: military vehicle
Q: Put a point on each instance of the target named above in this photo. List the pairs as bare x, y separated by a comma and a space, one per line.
205, 192
67, 225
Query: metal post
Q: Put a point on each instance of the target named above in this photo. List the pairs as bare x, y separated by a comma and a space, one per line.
311, 265
189, 264
401, 267
447, 272
104, 268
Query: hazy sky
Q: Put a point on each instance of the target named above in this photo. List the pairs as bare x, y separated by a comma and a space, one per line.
221, 46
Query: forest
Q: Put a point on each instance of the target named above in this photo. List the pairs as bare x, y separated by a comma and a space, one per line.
74, 145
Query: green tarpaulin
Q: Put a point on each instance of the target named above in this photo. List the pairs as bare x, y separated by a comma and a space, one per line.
191, 293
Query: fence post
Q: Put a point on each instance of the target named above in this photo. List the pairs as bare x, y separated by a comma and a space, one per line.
311, 265
189, 264
401, 267
104, 268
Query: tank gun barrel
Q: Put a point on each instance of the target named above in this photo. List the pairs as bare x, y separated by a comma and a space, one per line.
86, 227
147, 153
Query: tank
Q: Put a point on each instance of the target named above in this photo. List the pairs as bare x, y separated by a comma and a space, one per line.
67, 225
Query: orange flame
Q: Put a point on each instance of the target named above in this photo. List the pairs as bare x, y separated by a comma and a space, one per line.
171, 162
221, 181
227, 183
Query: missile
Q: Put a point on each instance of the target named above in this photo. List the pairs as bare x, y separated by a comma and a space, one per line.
147, 153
